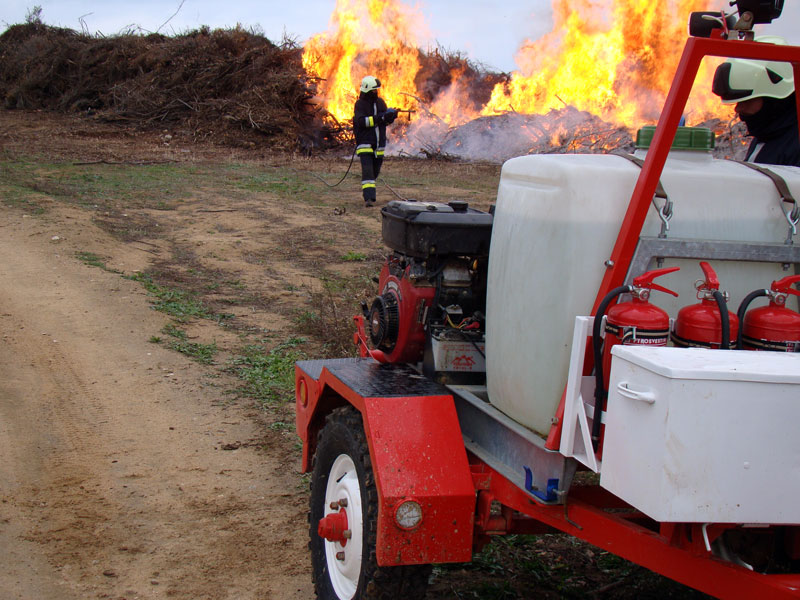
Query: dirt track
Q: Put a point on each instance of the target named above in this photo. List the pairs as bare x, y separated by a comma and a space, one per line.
114, 480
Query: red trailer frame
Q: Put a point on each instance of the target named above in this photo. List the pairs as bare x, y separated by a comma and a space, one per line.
425, 458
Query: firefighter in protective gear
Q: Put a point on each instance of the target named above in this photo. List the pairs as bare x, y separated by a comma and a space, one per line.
765, 99
370, 118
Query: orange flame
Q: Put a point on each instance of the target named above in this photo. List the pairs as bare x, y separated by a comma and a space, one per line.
370, 37
612, 58
619, 70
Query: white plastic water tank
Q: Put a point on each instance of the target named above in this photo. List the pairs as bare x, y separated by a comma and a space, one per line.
556, 222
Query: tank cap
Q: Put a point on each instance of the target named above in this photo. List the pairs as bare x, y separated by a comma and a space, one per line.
686, 138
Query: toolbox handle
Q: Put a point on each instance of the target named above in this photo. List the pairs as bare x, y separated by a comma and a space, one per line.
647, 396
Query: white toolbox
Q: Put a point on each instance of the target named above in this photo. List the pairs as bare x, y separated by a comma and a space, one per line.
709, 436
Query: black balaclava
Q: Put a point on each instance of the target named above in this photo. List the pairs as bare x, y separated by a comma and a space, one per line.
774, 118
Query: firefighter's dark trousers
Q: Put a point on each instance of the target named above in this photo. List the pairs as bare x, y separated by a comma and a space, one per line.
370, 169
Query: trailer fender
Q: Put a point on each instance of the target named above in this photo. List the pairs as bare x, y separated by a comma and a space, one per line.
417, 454
418, 457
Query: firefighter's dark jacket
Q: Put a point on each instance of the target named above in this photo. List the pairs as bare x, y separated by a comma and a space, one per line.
369, 124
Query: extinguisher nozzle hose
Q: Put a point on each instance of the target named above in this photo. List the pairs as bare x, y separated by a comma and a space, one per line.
597, 352
725, 321
743, 309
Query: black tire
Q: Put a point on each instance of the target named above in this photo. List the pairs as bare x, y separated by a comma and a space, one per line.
343, 435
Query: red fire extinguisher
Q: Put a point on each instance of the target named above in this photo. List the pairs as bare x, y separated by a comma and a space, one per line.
772, 327
709, 324
636, 322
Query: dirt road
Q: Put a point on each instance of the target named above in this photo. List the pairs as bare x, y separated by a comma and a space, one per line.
123, 471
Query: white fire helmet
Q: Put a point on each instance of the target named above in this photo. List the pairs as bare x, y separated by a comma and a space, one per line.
370, 83
739, 79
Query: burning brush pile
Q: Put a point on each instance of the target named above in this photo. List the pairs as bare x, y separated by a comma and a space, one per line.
602, 72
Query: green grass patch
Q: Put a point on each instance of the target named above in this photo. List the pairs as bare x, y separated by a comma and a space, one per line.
174, 331
16, 196
202, 353
178, 304
278, 182
268, 376
158, 186
93, 260
281, 426
354, 257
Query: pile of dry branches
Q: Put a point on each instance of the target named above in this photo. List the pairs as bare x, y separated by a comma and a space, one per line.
224, 83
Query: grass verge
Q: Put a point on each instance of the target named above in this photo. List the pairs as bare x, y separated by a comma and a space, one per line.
179, 304
93, 260
268, 376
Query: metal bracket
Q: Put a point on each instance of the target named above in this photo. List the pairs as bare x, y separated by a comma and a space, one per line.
512, 450
650, 248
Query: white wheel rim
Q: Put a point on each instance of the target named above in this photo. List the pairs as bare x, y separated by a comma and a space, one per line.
343, 484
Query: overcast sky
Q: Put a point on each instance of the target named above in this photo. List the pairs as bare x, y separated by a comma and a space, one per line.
489, 33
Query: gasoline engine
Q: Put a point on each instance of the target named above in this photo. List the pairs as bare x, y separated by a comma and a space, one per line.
432, 290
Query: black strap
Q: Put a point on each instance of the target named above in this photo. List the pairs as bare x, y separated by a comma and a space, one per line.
682, 342
780, 182
761, 344
628, 332
660, 191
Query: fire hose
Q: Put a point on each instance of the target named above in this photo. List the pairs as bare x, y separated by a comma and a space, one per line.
353, 156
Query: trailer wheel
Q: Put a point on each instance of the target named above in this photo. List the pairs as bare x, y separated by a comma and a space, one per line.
345, 499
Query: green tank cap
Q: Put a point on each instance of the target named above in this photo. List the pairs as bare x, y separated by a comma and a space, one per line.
686, 138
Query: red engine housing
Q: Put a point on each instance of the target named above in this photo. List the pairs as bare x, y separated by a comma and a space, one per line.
397, 317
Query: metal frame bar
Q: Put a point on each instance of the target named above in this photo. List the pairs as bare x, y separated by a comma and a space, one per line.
650, 248
511, 449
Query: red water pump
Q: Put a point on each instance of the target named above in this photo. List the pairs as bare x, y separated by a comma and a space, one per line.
773, 327
709, 324
636, 322
396, 320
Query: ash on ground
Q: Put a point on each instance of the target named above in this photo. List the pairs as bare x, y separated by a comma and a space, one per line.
568, 130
